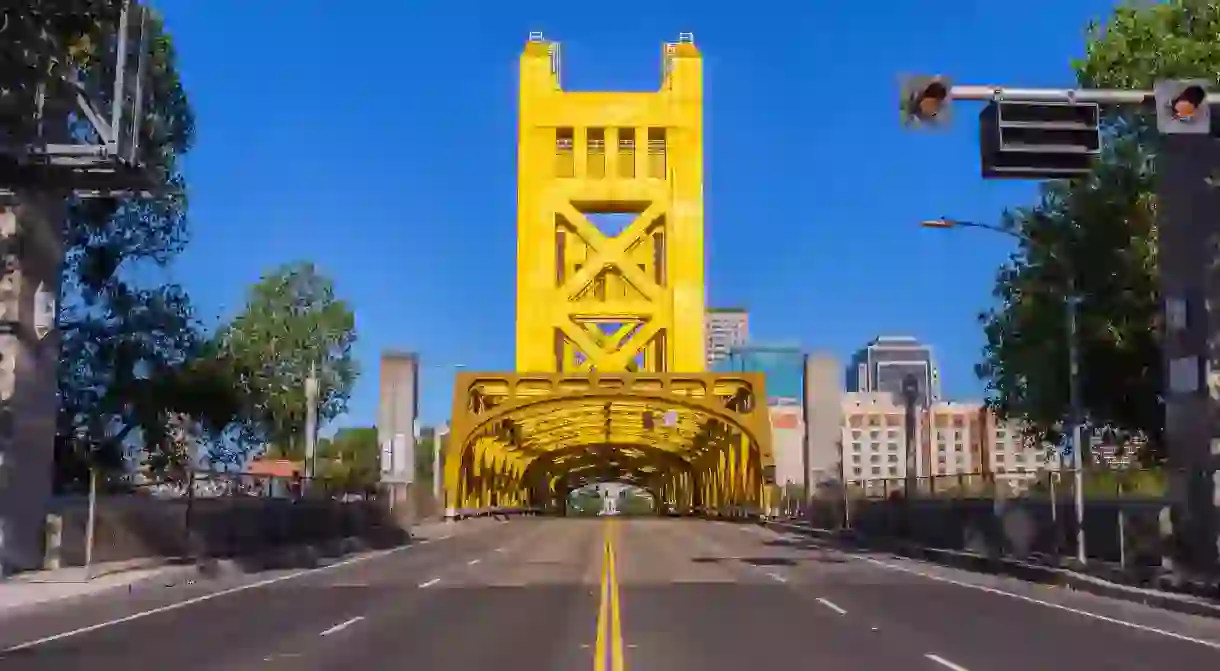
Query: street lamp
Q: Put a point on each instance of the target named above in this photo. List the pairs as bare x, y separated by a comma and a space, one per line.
1075, 412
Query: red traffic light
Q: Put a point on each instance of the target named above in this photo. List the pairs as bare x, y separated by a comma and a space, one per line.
931, 100
1187, 104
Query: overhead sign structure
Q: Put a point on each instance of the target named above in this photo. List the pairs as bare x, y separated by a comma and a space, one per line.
1038, 140
1053, 133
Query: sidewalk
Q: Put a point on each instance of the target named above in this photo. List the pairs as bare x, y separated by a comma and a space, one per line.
38, 587
1028, 571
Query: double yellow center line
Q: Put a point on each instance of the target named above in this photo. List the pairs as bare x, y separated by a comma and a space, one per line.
608, 650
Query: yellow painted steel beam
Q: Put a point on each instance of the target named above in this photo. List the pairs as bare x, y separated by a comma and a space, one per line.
591, 299
527, 434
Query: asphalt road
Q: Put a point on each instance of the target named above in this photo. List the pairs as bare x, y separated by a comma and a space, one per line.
638, 594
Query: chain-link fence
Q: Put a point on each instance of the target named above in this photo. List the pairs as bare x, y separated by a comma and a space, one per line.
212, 514
1022, 515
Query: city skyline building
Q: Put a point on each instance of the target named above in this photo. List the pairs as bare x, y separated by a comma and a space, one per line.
882, 364
784, 368
724, 329
951, 439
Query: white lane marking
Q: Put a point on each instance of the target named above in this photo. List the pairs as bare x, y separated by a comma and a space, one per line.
499, 549
472, 562
1049, 604
430, 582
945, 663
832, 605
775, 576
342, 625
202, 598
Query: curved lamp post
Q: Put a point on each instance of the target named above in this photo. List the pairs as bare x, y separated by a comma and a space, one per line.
1075, 411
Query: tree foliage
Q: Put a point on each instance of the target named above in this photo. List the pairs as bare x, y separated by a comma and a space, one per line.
123, 342
1098, 236
351, 461
292, 320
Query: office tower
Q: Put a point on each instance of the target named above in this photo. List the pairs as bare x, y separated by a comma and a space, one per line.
784, 367
725, 328
881, 365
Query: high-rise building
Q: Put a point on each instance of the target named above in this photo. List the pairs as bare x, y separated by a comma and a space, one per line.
784, 367
724, 329
782, 364
881, 366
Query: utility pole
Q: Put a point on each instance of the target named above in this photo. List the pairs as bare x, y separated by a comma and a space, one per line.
1058, 137
1076, 419
311, 424
438, 464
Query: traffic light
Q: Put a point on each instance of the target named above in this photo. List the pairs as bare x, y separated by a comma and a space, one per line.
925, 100
1182, 107
1042, 140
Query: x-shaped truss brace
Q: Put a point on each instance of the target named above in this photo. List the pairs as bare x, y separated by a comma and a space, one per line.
607, 252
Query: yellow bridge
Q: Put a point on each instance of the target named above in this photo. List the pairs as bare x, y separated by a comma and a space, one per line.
610, 382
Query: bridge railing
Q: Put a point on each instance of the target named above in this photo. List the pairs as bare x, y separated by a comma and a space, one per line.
494, 511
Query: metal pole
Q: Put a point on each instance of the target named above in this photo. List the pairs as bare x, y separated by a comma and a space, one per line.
1076, 416
1100, 96
438, 480
311, 424
91, 522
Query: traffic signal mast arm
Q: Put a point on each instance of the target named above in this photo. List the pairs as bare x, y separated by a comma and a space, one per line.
1008, 94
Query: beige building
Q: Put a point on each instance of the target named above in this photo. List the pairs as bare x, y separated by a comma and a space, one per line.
874, 442
951, 438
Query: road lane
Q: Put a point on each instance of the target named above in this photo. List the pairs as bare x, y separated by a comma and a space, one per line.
686, 606
229, 629
528, 605
976, 625
685, 595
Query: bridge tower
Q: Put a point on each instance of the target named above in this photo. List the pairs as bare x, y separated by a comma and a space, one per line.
608, 301
609, 378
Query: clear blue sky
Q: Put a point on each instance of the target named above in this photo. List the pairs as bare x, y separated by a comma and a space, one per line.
378, 139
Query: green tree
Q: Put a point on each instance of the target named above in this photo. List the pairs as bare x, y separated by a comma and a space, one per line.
123, 341
351, 461
1100, 234
292, 322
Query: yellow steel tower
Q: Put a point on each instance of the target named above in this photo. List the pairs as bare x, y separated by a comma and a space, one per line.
589, 300
610, 352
